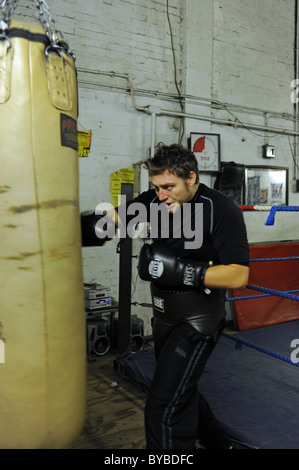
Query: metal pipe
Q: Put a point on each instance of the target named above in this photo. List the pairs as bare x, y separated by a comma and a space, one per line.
214, 120
206, 102
153, 133
225, 122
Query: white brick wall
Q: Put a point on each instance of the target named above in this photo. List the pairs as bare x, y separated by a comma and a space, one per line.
254, 53
120, 35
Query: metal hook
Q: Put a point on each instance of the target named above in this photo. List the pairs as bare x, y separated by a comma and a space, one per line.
55, 48
4, 37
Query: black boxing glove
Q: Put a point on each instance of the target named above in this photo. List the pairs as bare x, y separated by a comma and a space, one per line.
159, 264
96, 229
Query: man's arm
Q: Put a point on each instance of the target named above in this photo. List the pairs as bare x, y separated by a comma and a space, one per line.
159, 264
230, 276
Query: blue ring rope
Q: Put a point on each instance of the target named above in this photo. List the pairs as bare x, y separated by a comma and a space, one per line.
273, 292
274, 259
274, 209
255, 346
260, 348
268, 292
245, 297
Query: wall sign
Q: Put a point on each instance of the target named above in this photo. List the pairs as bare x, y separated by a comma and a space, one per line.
84, 143
206, 148
266, 186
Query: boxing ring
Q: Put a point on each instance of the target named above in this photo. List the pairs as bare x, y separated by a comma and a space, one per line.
251, 380
254, 395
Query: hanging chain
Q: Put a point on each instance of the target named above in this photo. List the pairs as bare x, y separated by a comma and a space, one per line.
57, 42
55, 36
7, 7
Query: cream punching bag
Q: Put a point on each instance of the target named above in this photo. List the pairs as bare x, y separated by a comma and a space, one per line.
42, 323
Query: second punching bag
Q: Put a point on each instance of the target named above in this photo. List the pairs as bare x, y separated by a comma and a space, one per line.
42, 322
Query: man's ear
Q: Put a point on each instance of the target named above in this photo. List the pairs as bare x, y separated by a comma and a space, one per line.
192, 178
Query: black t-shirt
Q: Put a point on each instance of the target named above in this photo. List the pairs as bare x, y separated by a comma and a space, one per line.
222, 236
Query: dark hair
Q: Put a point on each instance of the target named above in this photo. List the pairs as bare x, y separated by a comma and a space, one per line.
175, 158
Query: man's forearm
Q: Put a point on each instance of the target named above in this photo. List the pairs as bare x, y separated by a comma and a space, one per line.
230, 276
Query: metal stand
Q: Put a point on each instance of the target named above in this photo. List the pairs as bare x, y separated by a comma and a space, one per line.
125, 276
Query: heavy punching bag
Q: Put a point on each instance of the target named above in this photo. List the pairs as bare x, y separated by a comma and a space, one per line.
42, 322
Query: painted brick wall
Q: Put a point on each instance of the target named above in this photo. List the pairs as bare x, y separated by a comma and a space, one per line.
127, 36
254, 53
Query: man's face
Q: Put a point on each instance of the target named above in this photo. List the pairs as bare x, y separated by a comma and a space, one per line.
173, 190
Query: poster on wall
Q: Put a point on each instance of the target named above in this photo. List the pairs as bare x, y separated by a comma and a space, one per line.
84, 143
266, 186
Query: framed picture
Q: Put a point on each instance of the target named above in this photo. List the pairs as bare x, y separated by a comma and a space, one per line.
266, 186
206, 148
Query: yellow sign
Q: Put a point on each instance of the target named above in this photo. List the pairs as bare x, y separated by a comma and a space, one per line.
84, 141
126, 175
